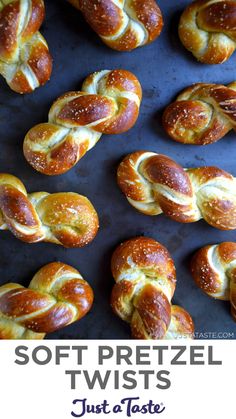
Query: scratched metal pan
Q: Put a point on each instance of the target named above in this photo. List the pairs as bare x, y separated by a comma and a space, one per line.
163, 68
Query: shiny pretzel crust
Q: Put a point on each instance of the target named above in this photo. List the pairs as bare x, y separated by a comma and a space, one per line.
56, 297
145, 283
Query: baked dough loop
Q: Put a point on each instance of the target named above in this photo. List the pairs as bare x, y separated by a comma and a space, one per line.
202, 114
108, 104
214, 271
56, 296
145, 283
65, 218
25, 61
207, 28
123, 24
155, 184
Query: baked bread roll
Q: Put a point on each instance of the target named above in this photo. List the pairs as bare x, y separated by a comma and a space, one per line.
25, 61
64, 218
56, 296
108, 104
123, 25
155, 184
202, 114
214, 271
145, 283
207, 28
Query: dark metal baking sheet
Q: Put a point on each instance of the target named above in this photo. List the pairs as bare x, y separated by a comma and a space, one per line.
163, 68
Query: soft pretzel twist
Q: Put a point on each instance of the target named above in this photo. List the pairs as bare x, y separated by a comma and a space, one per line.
56, 297
64, 218
207, 28
145, 283
25, 61
214, 271
123, 24
108, 104
202, 114
155, 184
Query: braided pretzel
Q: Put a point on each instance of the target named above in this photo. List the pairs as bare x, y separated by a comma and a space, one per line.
145, 283
57, 296
214, 271
108, 104
63, 218
153, 183
25, 61
122, 25
207, 28
202, 114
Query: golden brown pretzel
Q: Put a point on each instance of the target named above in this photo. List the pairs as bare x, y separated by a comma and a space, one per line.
202, 114
155, 184
64, 218
145, 283
25, 61
108, 104
207, 28
56, 297
123, 25
214, 271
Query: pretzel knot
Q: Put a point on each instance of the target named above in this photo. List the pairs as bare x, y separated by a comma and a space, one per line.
123, 25
56, 297
207, 28
68, 219
145, 283
155, 184
108, 104
202, 114
25, 61
214, 271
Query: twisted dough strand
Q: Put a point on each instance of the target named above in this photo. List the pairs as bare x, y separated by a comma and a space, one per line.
67, 219
25, 61
153, 183
145, 283
56, 297
202, 114
123, 24
108, 104
214, 271
207, 28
